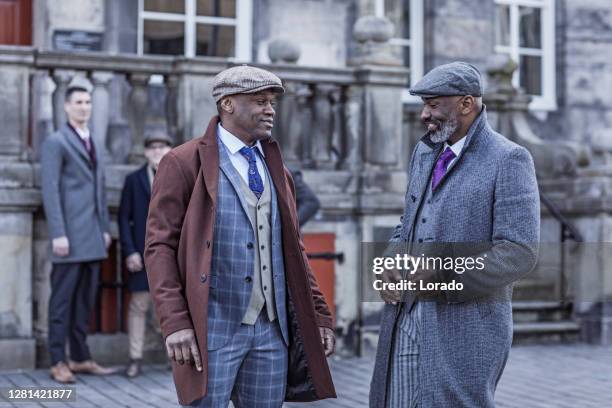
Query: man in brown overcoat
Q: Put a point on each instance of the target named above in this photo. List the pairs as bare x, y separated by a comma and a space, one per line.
239, 307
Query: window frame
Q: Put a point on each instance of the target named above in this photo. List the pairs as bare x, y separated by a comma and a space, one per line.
415, 42
548, 100
242, 24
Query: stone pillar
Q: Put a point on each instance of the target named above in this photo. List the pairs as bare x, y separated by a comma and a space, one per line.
321, 134
101, 109
383, 78
172, 89
62, 78
17, 346
137, 112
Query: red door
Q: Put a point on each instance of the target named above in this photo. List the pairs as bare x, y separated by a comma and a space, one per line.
16, 22
323, 268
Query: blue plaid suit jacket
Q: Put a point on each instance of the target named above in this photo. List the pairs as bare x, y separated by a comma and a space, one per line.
233, 261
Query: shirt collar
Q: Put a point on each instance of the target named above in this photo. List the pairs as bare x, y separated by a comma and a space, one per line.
232, 143
457, 146
83, 133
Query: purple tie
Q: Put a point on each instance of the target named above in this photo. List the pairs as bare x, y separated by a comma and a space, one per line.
445, 158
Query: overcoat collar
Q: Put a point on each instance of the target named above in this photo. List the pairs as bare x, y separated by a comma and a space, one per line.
428, 158
208, 150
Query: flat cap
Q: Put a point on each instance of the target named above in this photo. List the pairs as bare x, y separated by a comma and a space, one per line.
244, 79
456, 78
157, 136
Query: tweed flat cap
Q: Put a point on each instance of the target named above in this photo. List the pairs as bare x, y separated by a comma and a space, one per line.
456, 78
157, 136
244, 79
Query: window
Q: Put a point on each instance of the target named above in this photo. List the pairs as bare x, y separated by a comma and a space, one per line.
211, 28
407, 17
525, 30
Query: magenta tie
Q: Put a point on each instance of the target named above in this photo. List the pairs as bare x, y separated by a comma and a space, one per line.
441, 165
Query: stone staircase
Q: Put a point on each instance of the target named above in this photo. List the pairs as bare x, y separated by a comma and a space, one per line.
543, 322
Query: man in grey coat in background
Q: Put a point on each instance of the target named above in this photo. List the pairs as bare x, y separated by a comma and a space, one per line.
467, 184
78, 223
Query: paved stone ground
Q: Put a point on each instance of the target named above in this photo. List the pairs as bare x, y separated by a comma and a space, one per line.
555, 376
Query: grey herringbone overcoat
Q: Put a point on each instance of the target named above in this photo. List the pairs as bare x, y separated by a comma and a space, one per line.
490, 196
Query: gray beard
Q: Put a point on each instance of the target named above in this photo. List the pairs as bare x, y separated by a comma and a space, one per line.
445, 132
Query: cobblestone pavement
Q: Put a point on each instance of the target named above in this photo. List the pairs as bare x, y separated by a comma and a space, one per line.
556, 376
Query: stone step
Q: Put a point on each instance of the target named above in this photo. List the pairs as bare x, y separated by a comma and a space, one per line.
527, 289
536, 305
531, 311
563, 331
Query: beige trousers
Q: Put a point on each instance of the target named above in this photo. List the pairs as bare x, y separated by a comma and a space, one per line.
140, 302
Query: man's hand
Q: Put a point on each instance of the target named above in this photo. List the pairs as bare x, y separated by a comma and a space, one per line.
182, 347
328, 338
391, 276
134, 262
60, 246
107, 240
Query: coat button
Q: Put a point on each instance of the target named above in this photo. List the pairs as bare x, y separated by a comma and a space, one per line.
203, 278
250, 245
261, 227
420, 239
424, 220
248, 279
264, 267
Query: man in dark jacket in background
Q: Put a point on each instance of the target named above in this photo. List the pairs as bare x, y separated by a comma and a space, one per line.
307, 202
133, 212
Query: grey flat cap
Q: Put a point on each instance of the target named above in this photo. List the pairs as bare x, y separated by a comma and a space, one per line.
244, 79
456, 78
157, 136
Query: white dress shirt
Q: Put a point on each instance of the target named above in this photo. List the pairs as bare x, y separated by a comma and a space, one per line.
241, 164
84, 134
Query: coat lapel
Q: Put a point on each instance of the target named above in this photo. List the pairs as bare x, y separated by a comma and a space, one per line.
426, 164
230, 172
77, 149
143, 177
276, 170
208, 150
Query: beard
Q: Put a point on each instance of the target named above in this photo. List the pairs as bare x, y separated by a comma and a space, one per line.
445, 130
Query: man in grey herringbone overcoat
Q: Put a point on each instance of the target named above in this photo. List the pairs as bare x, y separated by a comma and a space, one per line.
467, 184
73, 195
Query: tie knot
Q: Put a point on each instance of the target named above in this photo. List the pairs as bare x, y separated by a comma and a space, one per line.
447, 155
248, 153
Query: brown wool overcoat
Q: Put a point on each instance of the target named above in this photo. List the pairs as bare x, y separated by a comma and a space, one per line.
178, 253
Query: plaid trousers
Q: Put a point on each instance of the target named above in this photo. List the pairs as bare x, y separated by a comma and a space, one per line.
404, 383
251, 369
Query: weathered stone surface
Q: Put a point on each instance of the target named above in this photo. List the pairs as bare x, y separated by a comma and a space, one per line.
318, 27
15, 274
14, 100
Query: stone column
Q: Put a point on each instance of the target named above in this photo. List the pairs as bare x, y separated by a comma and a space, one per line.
137, 111
172, 89
322, 127
383, 78
101, 109
62, 78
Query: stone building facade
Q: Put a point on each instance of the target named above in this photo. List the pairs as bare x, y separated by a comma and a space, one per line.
346, 120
